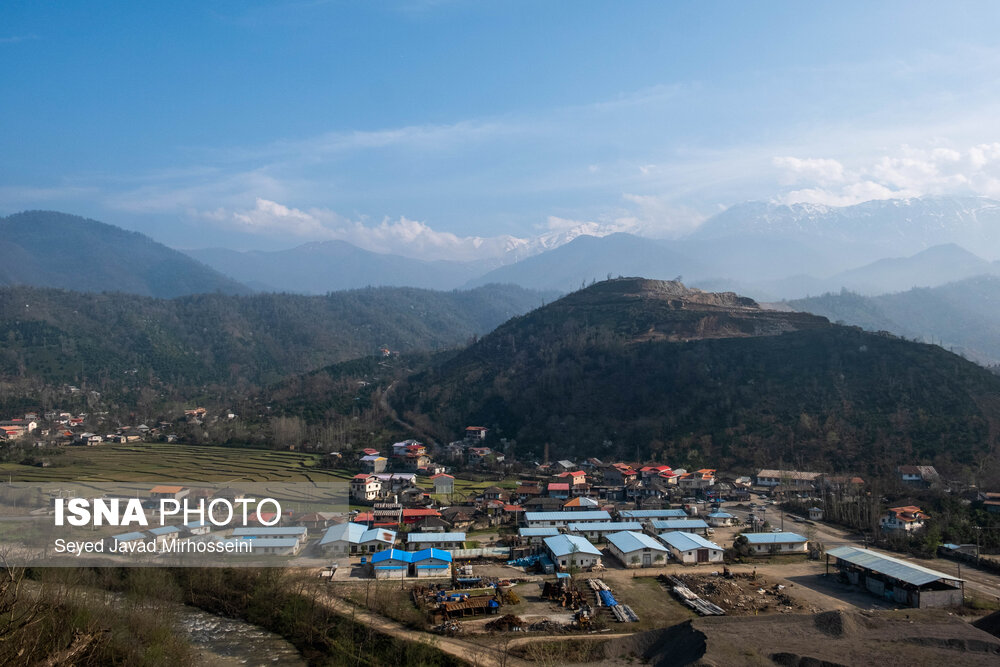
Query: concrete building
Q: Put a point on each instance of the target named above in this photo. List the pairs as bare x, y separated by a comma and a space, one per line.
431, 563
443, 484
762, 544
536, 535
354, 538
692, 549
569, 551
365, 487
599, 530
636, 515
297, 533
719, 519
374, 463
636, 549
906, 519
391, 564
562, 519
698, 526
444, 541
897, 580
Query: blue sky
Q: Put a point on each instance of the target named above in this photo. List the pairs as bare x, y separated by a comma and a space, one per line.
411, 126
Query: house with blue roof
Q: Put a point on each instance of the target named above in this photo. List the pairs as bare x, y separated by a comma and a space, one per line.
636, 515
635, 549
718, 519
572, 551
391, 563
354, 538
536, 535
431, 563
776, 543
699, 526
598, 530
691, 548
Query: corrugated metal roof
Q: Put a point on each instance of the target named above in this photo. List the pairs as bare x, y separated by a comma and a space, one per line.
417, 538
688, 541
164, 530
356, 533
393, 554
564, 545
269, 531
891, 567
773, 538
627, 541
652, 514
720, 515
606, 526
578, 515
128, 537
679, 524
427, 554
538, 532
282, 542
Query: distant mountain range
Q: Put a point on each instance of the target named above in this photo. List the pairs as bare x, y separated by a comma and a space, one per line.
327, 266
963, 316
49, 249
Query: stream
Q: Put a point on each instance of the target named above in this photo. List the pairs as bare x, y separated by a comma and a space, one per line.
218, 640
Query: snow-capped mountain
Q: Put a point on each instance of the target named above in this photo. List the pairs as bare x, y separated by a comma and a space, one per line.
902, 226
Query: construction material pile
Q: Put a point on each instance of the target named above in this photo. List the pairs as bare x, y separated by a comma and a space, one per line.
605, 598
507, 623
738, 595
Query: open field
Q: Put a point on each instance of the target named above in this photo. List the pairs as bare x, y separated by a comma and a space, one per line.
191, 463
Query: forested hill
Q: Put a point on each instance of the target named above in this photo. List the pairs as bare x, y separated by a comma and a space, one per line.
631, 368
58, 336
50, 249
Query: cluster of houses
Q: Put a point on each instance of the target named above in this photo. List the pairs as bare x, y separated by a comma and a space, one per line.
65, 428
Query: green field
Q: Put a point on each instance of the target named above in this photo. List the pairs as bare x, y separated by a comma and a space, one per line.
159, 462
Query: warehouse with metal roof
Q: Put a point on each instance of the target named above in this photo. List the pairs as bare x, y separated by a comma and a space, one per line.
653, 514
561, 519
598, 530
776, 543
572, 551
684, 525
690, 548
896, 580
637, 549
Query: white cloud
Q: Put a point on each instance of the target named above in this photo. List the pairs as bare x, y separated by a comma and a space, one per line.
908, 172
796, 170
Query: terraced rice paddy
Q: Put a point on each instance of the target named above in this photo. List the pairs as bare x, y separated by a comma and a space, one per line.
156, 462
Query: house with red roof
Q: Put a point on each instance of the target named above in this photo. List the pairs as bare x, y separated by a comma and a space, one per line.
907, 519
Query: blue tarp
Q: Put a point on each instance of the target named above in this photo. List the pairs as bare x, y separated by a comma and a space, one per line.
607, 598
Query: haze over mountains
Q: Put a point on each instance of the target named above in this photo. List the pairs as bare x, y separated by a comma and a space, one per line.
49, 249
768, 251
919, 268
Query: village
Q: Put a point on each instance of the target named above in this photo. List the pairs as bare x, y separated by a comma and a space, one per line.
570, 546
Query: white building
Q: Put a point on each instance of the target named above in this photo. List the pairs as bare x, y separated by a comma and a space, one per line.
776, 543
352, 538
635, 549
444, 541
572, 551
692, 549
562, 519
365, 487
